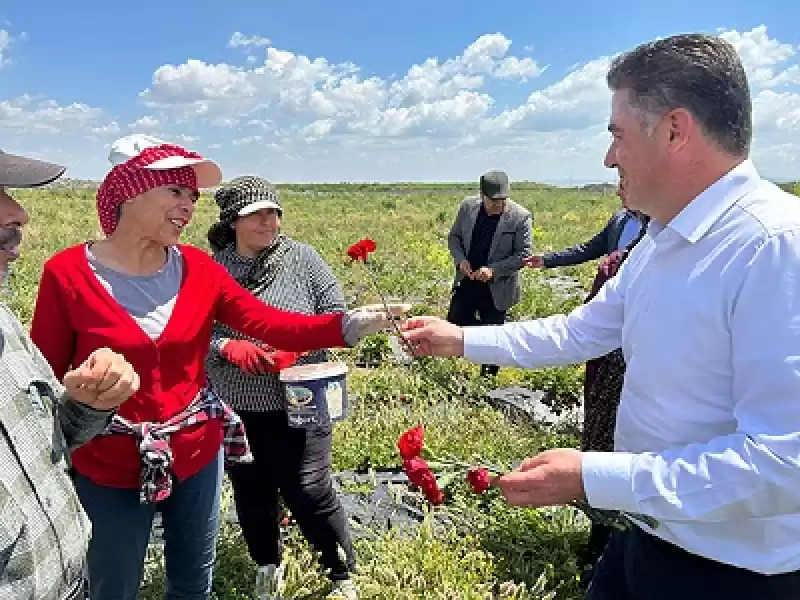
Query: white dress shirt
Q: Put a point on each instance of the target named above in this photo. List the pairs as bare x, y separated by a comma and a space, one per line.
707, 312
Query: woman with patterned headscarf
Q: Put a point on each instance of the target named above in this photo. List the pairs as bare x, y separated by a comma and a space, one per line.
154, 300
292, 461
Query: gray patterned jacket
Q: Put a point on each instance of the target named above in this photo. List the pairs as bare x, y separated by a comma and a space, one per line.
304, 284
44, 532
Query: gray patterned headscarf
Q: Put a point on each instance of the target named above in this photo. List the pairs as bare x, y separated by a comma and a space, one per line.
232, 198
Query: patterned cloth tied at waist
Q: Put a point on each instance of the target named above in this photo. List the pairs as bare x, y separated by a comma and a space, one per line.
156, 453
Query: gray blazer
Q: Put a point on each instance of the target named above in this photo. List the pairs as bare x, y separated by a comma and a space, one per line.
511, 243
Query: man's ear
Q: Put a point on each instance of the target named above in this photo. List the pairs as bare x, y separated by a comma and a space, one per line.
682, 127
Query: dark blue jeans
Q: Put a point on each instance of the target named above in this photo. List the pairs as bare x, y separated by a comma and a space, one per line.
121, 531
637, 566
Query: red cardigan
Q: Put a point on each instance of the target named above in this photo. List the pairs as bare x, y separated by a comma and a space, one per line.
75, 315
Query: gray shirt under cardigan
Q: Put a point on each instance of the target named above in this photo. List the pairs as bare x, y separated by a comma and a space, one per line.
305, 284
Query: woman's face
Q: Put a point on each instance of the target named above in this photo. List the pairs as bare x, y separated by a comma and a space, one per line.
258, 230
160, 214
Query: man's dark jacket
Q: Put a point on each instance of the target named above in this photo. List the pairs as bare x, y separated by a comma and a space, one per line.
602, 244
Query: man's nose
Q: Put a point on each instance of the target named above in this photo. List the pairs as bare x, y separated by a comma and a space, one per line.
610, 161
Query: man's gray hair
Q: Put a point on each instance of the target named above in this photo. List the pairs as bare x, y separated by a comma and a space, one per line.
700, 73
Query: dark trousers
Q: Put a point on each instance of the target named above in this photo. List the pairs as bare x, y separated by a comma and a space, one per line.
598, 538
638, 566
295, 463
472, 304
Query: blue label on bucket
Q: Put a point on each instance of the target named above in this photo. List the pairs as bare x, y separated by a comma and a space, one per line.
301, 407
316, 402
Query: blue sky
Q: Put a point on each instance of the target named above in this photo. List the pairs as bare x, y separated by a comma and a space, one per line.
364, 91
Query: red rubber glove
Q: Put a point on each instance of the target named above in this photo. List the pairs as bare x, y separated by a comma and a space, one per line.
249, 357
282, 359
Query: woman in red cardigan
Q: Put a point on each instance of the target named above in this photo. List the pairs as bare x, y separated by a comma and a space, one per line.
143, 294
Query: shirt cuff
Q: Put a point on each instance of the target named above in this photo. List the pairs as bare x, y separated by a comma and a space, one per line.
608, 480
350, 329
480, 344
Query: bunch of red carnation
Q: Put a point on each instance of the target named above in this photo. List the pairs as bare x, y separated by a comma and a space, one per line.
417, 470
361, 249
411, 445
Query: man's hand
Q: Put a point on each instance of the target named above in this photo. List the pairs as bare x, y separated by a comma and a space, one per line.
433, 336
104, 380
534, 262
483, 274
465, 268
551, 478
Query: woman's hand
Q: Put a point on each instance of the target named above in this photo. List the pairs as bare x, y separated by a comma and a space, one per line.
249, 357
361, 322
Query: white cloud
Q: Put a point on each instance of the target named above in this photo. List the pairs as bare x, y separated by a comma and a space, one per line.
316, 98
245, 141
109, 129
145, 123
37, 115
523, 68
6, 41
761, 56
295, 117
239, 40
576, 102
776, 112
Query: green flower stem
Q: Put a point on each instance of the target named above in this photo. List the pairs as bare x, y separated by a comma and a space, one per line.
415, 359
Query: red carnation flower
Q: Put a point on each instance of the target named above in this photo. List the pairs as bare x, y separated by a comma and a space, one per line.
420, 475
356, 252
431, 490
361, 249
410, 443
479, 480
417, 471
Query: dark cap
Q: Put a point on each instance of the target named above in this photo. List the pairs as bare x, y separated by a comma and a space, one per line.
245, 195
21, 172
494, 184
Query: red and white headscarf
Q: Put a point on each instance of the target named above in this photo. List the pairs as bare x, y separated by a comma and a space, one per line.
144, 172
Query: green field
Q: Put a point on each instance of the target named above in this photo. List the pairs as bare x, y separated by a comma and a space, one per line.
497, 551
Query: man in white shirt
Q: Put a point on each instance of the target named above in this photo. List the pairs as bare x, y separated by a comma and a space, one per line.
707, 311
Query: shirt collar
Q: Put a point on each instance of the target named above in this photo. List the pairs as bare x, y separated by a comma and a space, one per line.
694, 221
